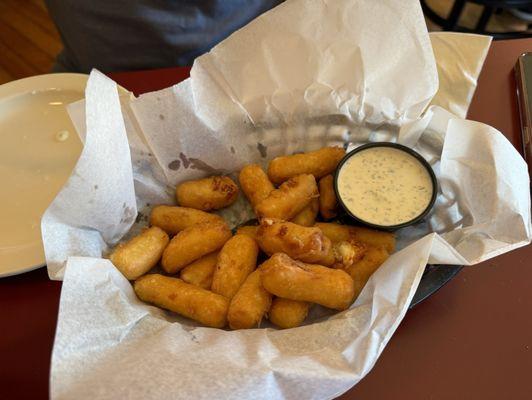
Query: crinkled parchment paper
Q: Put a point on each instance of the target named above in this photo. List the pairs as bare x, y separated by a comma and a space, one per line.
304, 75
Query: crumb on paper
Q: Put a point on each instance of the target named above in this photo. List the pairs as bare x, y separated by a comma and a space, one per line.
62, 136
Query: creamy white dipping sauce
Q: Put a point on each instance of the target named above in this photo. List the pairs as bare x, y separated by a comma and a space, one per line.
384, 186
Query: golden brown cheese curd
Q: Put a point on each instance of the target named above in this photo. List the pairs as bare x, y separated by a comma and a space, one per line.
201, 271
327, 200
248, 230
288, 313
193, 243
188, 300
289, 199
249, 304
318, 163
371, 237
172, 219
294, 280
207, 194
346, 253
307, 216
255, 183
236, 260
300, 242
141, 253
362, 270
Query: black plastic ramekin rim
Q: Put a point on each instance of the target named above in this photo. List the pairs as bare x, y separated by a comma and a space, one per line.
397, 146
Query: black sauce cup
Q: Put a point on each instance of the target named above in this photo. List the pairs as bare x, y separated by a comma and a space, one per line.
407, 150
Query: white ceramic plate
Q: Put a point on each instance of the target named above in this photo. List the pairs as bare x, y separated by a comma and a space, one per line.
39, 147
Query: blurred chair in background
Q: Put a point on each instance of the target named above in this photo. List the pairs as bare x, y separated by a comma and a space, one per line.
520, 8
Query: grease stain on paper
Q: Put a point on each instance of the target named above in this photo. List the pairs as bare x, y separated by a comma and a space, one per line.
174, 165
195, 163
263, 150
184, 159
128, 216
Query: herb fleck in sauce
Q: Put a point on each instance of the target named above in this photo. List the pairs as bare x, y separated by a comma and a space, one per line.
384, 186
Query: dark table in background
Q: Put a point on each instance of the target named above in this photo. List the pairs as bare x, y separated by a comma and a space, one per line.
470, 340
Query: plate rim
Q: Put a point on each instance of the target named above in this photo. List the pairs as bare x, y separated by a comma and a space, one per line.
66, 80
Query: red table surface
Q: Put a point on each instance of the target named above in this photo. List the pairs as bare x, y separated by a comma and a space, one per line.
470, 340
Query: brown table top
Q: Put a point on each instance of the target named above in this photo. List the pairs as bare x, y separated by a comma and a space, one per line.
470, 340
